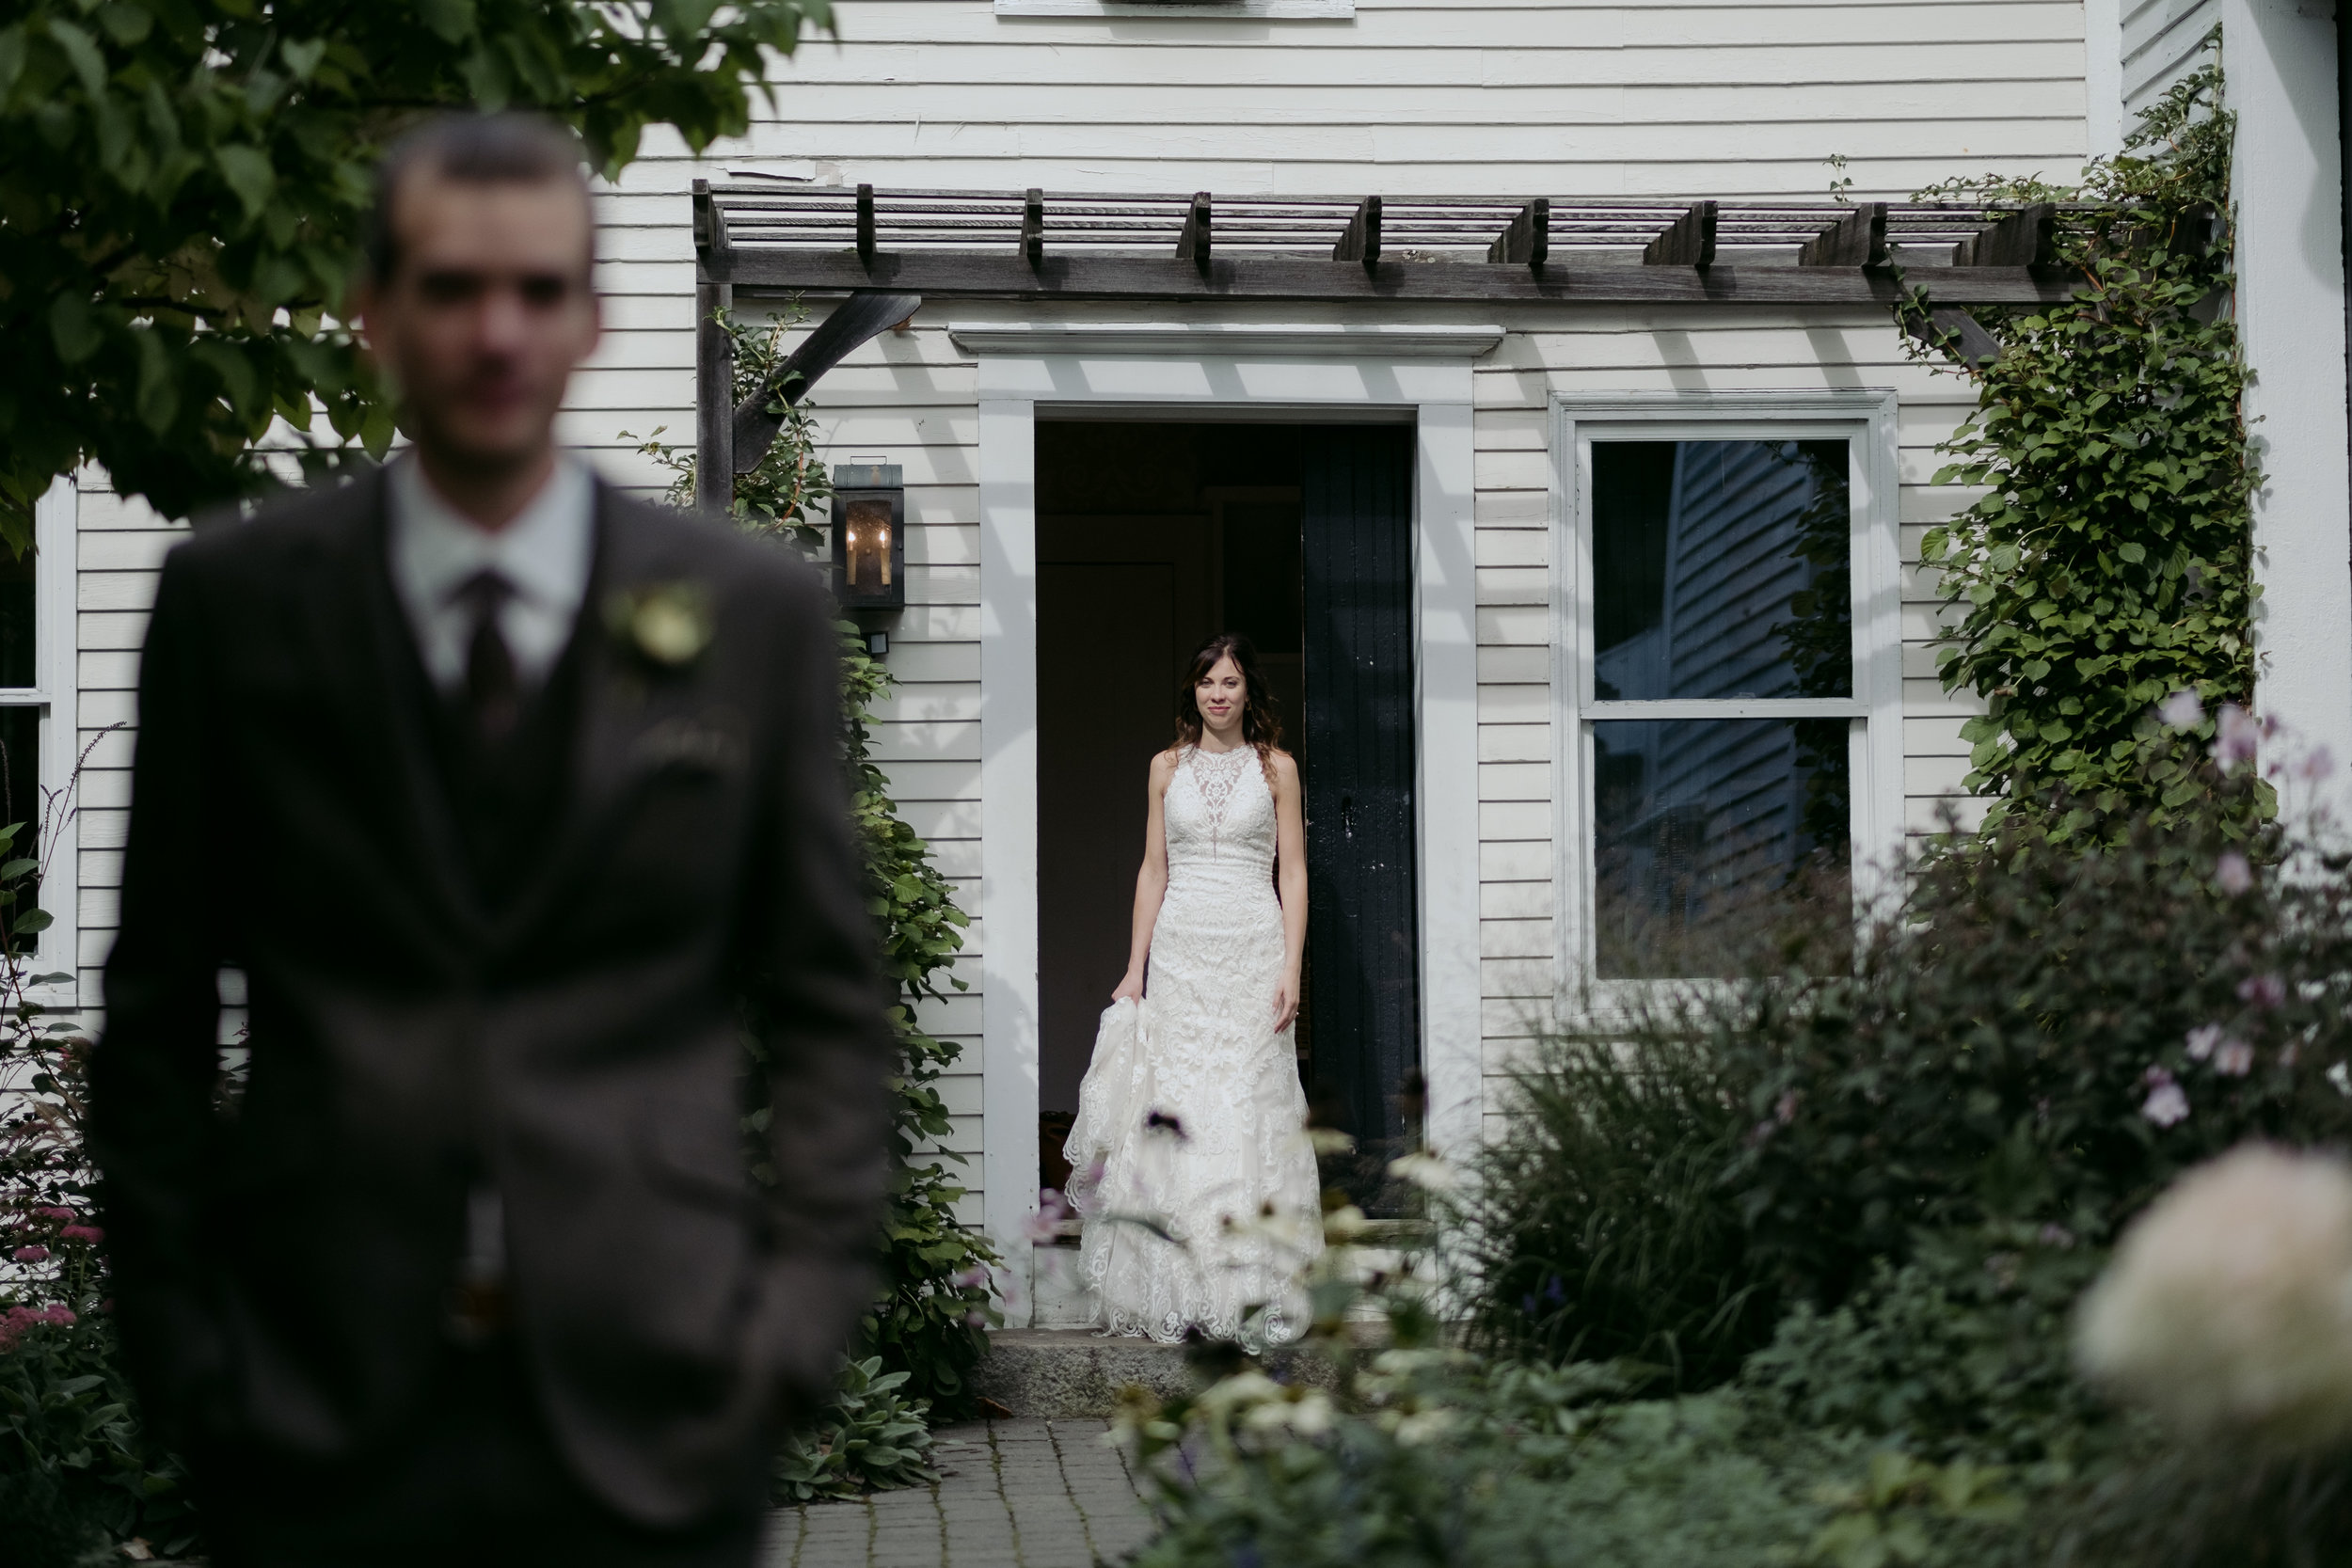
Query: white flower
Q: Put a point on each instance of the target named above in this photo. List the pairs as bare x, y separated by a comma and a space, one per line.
669, 623
2201, 1041
2341, 1076
2229, 1303
1344, 1225
1426, 1171
2166, 1105
2233, 1059
1423, 1426
1327, 1141
1239, 1392
2236, 737
2234, 873
1307, 1413
2182, 710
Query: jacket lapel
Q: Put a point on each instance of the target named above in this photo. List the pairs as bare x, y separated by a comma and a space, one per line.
620, 701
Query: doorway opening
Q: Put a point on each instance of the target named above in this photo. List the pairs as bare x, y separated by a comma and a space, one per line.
1151, 537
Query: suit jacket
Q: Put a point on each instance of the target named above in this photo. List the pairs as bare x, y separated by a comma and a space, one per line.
282, 1266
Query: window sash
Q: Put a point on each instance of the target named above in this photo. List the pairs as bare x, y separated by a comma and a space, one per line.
1865, 421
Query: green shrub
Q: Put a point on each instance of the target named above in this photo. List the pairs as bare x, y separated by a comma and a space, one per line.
873, 1436
930, 1319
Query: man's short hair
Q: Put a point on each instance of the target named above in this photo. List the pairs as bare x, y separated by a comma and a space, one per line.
484, 149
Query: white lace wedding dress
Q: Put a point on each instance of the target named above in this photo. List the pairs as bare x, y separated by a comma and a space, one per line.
1191, 1117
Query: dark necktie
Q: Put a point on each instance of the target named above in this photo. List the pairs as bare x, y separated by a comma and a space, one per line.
493, 691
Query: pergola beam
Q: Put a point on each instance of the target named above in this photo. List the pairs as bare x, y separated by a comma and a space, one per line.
2023, 239
1194, 245
1527, 241
1690, 242
1600, 280
1360, 240
1856, 240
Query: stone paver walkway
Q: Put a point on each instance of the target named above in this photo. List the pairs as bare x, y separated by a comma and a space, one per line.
1011, 1494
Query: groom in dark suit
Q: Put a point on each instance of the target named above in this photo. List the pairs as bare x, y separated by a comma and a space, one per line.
520, 805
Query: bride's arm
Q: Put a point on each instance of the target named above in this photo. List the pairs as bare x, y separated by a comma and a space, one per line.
1290, 876
1151, 883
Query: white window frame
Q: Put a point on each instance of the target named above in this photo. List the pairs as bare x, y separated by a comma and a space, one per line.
1865, 419
57, 949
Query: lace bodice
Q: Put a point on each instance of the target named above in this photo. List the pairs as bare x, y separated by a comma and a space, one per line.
1220, 819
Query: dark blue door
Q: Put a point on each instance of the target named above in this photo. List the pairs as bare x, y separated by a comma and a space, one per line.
1363, 941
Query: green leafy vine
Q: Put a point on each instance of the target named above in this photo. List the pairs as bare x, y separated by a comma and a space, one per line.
930, 1318
2108, 565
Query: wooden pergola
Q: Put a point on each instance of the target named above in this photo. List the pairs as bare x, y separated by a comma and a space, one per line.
888, 250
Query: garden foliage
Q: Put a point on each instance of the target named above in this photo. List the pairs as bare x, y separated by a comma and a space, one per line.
78, 1469
183, 185
1833, 1324
931, 1321
2108, 562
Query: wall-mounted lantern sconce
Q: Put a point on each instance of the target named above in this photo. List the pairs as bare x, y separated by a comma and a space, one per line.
869, 545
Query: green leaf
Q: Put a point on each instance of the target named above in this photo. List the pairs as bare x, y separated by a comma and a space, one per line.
31, 923
302, 55
17, 867
250, 174
74, 327
83, 55
452, 19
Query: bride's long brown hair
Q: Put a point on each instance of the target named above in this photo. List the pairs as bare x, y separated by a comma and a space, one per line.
1260, 721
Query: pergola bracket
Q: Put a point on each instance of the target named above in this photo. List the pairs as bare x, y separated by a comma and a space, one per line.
1193, 245
1856, 240
1528, 240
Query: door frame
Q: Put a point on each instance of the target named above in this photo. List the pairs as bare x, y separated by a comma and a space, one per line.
1250, 371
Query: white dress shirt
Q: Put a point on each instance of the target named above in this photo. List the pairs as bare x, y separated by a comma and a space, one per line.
545, 554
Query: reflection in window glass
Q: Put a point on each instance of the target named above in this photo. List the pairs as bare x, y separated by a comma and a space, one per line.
1712, 835
20, 781
1722, 569
16, 619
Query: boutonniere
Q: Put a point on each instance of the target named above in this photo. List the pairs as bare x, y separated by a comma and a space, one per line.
667, 624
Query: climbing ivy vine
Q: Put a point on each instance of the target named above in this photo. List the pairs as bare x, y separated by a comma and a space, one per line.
2108, 563
931, 1317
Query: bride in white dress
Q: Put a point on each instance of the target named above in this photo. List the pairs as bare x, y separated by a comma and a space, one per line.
1191, 1116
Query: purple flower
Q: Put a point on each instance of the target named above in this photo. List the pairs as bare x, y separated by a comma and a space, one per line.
51, 1213
2234, 873
973, 1278
90, 1233
2201, 1041
2263, 990
31, 1255
2237, 737
2316, 763
2166, 1105
2182, 710
1045, 1224
2057, 1236
2236, 1060
1785, 1108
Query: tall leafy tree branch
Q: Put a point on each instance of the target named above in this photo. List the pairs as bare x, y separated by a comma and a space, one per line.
183, 185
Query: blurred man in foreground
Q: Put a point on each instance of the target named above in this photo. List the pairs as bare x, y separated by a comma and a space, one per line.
511, 799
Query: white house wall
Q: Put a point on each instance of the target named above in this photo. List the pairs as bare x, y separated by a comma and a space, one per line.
2161, 39
1505, 96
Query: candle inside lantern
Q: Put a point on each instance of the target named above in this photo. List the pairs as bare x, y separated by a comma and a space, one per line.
868, 528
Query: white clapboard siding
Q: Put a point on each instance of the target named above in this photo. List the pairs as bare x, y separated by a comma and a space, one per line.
1561, 97
2162, 43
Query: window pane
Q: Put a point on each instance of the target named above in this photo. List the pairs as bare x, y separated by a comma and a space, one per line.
20, 781
1715, 835
1722, 569
16, 619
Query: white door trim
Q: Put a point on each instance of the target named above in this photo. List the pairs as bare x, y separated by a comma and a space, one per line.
1436, 394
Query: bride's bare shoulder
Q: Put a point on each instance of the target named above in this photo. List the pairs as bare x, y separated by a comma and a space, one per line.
1285, 767
1163, 767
